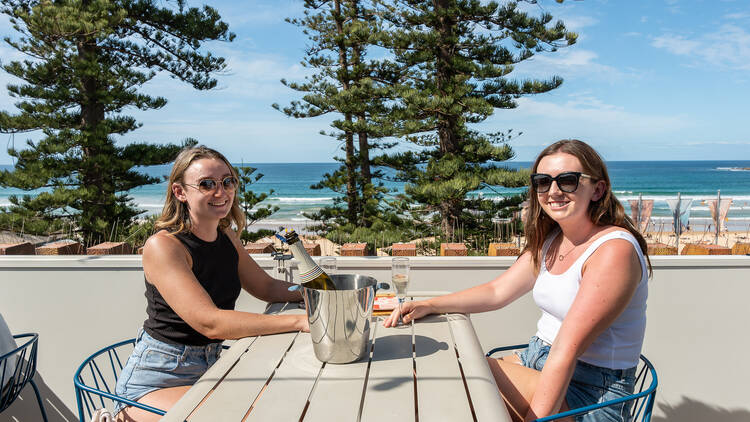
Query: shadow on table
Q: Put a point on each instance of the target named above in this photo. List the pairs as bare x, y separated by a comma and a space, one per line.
394, 345
689, 410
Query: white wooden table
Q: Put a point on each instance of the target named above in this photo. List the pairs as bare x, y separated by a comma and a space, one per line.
433, 370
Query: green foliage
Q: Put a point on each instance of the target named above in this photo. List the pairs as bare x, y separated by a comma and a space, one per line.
87, 60
353, 87
455, 57
139, 232
249, 200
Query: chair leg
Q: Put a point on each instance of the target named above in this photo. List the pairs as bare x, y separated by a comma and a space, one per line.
39, 399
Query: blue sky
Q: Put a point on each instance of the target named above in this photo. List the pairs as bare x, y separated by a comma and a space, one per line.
647, 80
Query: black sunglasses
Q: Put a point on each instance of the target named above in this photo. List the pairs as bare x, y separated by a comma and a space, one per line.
210, 185
567, 182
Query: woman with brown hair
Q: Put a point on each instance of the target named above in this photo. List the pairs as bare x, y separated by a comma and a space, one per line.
588, 269
195, 267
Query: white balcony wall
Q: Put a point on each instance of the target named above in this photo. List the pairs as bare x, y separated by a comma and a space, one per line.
698, 312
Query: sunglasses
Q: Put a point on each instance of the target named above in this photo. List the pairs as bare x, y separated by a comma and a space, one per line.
210, 185
567, 182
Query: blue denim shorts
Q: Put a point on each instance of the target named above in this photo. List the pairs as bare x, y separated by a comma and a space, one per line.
155, 364
590, 384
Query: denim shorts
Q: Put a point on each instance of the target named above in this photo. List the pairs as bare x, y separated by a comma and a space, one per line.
590, 384
155, 364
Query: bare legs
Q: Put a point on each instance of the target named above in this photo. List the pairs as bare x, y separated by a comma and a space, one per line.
517, 384
161, 399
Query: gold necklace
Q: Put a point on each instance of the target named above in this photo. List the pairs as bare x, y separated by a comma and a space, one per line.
562, 256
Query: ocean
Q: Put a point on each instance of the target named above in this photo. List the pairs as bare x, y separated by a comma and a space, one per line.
657, 180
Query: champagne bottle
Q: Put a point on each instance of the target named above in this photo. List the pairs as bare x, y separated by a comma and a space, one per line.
310, 273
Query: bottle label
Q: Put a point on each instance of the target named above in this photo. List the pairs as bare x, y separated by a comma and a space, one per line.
310, 274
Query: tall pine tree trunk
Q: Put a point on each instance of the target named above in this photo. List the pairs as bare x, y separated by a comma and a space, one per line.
351, 166
91, 175
450, 210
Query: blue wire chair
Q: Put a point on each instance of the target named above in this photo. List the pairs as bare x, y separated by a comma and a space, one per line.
643, 399
96, 378
21, 373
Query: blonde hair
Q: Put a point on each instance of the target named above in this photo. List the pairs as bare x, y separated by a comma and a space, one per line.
175, 216
605, 211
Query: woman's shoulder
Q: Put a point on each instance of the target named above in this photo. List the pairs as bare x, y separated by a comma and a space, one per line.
614, 232
614, 241
162, 242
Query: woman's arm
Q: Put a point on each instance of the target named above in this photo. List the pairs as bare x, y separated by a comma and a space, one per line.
256, 281
509, 286
610, 278
166, 265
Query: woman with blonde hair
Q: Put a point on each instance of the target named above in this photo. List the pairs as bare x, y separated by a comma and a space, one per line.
588, 269
194, 268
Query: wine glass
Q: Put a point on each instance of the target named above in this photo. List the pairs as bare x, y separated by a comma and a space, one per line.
400, 280
328, 264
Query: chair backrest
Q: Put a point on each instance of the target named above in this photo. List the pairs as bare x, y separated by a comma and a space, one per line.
21, 365
641, 402
96, 377
642, 399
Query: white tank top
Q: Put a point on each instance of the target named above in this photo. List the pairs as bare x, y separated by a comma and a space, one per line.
619, 346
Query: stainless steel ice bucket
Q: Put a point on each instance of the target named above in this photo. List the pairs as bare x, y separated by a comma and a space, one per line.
340, 319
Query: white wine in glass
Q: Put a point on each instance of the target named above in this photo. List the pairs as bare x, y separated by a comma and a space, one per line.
400, 283
400, 279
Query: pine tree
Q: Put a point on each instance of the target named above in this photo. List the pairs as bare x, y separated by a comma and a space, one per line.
456, 57
87, 60
248, 201
353, 86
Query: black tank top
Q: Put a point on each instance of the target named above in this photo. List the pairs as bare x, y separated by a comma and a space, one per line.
215, 267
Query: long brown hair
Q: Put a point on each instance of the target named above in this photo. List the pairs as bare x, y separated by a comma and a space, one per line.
606, 211
175, 216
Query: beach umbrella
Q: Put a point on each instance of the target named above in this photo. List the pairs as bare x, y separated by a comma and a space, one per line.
641, 212
680, 208
719, 209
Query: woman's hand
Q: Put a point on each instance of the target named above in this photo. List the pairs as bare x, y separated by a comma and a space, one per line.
411, 311
302, 323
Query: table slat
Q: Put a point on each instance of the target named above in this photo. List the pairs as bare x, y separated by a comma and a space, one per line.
338, 393
440, 388
286, 395
488, 404
390, 385
232, 397
180, 411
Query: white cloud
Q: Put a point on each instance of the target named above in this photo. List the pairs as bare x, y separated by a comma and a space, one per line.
570, 63
676, 44
727, 47
576, 23
738, 15
586, 111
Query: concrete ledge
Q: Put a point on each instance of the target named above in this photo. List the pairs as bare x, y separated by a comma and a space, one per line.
110, 248
503, 249
349, 263
354, 249
453, 249
404, 249
24, 248
63, 247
